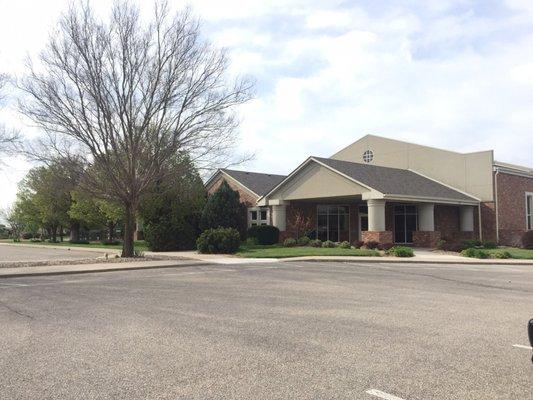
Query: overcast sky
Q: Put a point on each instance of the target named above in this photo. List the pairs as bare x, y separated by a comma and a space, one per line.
450, 74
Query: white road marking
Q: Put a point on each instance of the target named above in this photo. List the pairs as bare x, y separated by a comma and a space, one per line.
521, 346
13, 284
382, 395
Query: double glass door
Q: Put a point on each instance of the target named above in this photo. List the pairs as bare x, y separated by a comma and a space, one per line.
333, 223
405, 223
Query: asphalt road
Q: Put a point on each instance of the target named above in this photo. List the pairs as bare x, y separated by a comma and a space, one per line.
273, 331
9, 253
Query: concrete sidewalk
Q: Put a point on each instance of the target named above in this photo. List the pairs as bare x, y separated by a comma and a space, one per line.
96, 267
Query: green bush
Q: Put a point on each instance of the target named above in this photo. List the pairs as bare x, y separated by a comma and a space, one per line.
315, 243
303, 241
265, 234
527, 240
112, 242
371, 244
345, 245
471, 243
328, 244
251, 241
224, 208
80, 241
502, 254
401, 251
219, 241
289, 242
474, 253
489, 245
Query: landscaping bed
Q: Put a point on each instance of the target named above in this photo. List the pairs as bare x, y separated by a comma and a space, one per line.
278, 251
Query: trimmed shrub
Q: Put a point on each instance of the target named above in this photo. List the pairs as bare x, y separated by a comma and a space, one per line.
371, 244
474, 253
112, 242
359, 244
328, 244
401, 251
440, 244
251, 241
315, 243
264, 234
527, 240
303, 241
489, 245
502, 254
219, 241
385, 246
345, 245
289, 242
455, 247
471, 243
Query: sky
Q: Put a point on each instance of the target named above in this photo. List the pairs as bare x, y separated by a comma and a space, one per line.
451, 74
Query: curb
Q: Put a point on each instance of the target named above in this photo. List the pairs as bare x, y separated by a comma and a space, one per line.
91, 271
407, 261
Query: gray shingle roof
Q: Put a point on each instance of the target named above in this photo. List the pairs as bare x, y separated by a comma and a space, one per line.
257, 182
394, 181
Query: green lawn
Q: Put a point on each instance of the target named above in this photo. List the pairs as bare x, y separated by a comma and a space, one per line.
140, 245
515, 253
277, 251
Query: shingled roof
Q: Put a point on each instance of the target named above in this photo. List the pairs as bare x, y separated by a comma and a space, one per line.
394, 181
257, 182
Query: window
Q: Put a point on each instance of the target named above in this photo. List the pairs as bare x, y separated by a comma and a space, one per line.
333, 223
529, 211
257, 216
368, 156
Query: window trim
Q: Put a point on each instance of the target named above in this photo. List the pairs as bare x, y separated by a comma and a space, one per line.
258, 221
529, 216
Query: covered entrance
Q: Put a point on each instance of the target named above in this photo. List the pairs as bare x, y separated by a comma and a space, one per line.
405, 223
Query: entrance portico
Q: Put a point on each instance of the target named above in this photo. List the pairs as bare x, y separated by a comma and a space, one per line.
352, 202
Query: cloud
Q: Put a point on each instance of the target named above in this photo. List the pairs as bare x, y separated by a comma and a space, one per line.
455, 74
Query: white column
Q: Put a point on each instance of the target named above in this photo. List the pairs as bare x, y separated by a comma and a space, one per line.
279, 217
426, 217
376, 215
466, 218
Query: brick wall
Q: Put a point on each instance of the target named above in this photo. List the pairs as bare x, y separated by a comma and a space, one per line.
246, 197
512, 206
447, 223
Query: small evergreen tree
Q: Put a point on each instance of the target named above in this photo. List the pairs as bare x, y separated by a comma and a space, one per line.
224, 209
172, 209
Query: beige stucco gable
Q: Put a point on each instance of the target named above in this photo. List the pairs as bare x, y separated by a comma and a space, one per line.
315, 181
469, 172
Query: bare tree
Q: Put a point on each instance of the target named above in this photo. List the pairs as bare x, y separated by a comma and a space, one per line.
9, 139
131, 95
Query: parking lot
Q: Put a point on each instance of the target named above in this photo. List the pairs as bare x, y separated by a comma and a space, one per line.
16, 253
291, 330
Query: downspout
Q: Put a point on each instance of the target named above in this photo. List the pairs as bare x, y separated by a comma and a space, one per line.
479, 222
496, 205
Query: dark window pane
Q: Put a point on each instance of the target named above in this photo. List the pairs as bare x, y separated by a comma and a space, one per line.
254, 215
322, 209
344, 210
263, 215
410, 209
364, 224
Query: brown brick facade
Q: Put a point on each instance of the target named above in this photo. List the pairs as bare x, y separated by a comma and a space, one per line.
384, 237
511, 194
426, 238
246, 197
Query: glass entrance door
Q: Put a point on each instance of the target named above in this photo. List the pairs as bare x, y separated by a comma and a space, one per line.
333, 223
405, 223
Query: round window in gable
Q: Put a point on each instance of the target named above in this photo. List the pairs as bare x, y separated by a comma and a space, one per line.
368, 156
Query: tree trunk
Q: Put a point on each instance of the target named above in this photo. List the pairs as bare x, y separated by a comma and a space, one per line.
74, 232
110, 230
129, 231
61, 233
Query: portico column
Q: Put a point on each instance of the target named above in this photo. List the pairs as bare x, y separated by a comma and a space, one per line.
279, 217
426, 217
466, 218
376, 215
